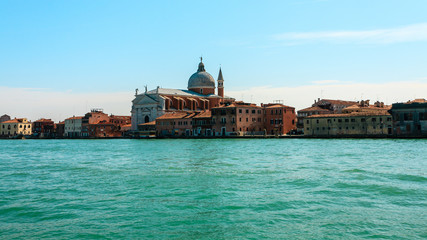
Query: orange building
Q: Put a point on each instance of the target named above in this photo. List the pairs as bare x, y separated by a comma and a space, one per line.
279, 119
238, 118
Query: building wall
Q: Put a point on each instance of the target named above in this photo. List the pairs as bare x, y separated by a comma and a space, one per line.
174, 127
410, 119
279, 120
348, 125
238, 120
22, 127
44, 128
73, 127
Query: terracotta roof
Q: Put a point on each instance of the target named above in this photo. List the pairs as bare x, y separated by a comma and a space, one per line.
173, 115
315, 108
353, 114
11, 121
63, 122
278, 106
16, 120
130, 125
205, 114
44, 120
341, 102
71, 118
144, 124
418, 100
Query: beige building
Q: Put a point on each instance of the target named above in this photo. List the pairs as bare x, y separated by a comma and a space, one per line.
354, 121
14, 127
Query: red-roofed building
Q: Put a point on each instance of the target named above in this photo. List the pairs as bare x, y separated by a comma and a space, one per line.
279, 119
15, 127
238, 118
44, 128
175, 124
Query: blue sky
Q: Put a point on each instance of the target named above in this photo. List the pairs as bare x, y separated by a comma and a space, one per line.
101, 47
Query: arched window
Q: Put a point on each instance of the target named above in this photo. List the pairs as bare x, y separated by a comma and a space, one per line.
147, 119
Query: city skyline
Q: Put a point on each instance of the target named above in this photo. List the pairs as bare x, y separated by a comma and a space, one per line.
61, 59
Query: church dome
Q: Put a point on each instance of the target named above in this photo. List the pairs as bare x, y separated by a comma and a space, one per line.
201, 79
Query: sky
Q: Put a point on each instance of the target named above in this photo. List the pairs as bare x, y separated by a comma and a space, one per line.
62, 58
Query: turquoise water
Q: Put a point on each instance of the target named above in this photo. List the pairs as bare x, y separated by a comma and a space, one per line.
213, 189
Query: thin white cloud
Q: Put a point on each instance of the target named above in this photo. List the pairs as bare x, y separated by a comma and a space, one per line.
326, 81
409, 33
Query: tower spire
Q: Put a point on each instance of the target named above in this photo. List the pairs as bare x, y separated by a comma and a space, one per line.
220, 83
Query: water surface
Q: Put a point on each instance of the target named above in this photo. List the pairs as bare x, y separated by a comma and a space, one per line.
213, 189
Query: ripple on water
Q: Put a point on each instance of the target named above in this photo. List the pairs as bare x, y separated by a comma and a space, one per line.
214, 189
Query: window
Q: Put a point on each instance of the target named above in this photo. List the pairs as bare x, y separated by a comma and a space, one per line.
253, 110
317, 121
247, 110
353, 120
308, 129
339, 120
253, 119
259, 111
247, 119
363, 120
240, 119
307, 121
329, 120
201, 90
374, 119
240, 110
346, 120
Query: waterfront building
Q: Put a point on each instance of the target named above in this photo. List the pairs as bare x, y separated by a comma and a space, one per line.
97, 124
321, 106
202, 124
4, 118
16, 127
44, 128
237, 119
410, 118
144, 130
355, 121
199, 96
73, 127
175, 124
279, 119
103, 129
60, 129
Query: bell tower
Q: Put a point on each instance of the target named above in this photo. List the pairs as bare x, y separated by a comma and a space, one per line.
220, 84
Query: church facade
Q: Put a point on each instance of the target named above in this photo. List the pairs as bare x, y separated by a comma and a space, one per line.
199, 96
